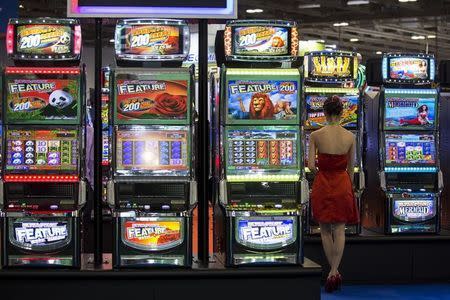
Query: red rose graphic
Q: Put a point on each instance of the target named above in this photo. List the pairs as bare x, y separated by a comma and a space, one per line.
170, 105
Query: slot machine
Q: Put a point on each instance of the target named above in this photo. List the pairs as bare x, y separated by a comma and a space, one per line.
153, 187
410, 172
258, 165
44, 186
328, 73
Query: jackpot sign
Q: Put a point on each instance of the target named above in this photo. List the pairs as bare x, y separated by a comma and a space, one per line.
44, 39
265, 233
38, 234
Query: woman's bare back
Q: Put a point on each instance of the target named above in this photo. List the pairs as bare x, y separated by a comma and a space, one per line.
333, 140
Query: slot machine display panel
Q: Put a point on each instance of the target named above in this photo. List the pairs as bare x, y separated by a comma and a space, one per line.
329, 67
410, 150
408, 68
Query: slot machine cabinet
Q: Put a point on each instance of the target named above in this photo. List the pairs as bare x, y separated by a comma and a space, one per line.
152, 189
410, 172
260, 188
328, 73
44, 186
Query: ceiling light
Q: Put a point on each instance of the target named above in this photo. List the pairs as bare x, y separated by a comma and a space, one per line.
340, 24
358, 2
418, 37
431, 36
354, 40
379, 52
331, 46
309, 6
254, 11
20, 6
111, 40
316, 41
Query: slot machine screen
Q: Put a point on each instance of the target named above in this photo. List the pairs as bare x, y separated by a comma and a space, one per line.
42, 150
261, 40
316, 116
410, 112
263, 100
410, 149
409, 68
331, 65
145, 40
262, 149
159, 151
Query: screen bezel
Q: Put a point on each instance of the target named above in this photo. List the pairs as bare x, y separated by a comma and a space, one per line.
184, 40
384, 154
37, 171
308, 63
71, 23
281, 170
156, 173
386, 68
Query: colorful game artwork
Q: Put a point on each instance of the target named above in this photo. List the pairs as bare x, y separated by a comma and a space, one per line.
47, 100
152, 40
44, 39
338, 66
259, 150
262, 99
409, 112
261, 40
408, 68
410, 149
151, 99
316, 116
414, 210
42, 150
152, 150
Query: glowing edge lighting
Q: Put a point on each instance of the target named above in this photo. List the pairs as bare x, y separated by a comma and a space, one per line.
350, 91
239, 71
10, 39
411, 91
410, 169
256, 178
26, 70
74, 10
384, 67
41, 178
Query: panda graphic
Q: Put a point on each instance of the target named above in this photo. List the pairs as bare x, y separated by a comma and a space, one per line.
61, 105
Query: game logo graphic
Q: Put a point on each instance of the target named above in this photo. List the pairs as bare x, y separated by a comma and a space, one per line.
44, 39
261, 40
262, 99
146, 150
152, 99
410, 149
414, 210
262, 149
339, 66
409, 112
39, 234
265, 233
408, 68
42, 100
152, 40
42, 150
316, 116
152, 235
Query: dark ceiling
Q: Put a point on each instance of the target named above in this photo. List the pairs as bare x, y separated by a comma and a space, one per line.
381, 25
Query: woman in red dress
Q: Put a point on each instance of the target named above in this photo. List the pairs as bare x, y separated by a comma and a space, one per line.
332, 198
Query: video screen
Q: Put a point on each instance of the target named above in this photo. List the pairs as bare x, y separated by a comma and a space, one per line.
42, 150
335, 66
40, 39
261, 40
152, 40
409, 112
151, 99
415, 209
262, 149
316, 116
410, 149
35, 98
262, 99
147, 150
408, 68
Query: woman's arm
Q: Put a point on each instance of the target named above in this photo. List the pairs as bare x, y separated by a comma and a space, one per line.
351, 160
312, 153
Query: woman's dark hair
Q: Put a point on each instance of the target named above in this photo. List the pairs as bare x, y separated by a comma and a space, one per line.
422, 108
333, 106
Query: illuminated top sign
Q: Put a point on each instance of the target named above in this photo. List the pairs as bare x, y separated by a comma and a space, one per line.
408, 68
329, 66
194, 9
44, 39
155, 40
261, 40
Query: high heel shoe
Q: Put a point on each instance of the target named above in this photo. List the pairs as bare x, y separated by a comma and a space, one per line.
330, 284
338, 280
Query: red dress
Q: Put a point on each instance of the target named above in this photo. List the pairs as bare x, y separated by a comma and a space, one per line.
332, 197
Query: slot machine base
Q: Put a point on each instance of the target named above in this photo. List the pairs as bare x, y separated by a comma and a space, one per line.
148, 240
264, 238
41, 240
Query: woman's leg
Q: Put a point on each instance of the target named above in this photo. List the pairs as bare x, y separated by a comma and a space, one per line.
339, 244
327, 242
